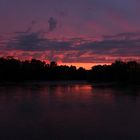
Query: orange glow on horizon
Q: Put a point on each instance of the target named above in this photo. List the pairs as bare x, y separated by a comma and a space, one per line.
87, 66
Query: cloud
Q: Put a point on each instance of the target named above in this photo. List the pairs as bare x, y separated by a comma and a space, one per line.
33, 41
31, 26
124, 46
125, 35
52, 22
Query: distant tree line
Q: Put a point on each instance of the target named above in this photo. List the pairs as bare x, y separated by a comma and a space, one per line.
118, 71
16, 70
12, 69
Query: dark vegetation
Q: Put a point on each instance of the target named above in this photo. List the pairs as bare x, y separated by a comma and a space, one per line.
15, 70
119, 71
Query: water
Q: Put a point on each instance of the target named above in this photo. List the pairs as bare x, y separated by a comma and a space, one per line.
69, 111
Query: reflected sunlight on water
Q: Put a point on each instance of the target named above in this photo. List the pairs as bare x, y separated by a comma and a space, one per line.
69, 111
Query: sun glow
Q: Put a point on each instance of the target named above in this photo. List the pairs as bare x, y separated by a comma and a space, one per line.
87, 66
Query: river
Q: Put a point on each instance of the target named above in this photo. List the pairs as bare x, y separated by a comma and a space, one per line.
69, 111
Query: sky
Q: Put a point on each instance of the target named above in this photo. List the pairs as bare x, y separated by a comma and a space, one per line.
80, 32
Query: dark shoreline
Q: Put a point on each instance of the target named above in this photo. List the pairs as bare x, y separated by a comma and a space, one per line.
70, 82
36, 82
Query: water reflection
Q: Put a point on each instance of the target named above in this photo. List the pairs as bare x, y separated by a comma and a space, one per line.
69, 111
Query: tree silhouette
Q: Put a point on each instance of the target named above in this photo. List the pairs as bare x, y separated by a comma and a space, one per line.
12, 69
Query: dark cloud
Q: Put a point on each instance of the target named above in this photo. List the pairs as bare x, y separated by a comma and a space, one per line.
75, 50
52, 23
123, 36
33, 41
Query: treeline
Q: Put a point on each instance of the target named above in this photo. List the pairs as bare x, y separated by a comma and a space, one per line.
16, 70
118, 71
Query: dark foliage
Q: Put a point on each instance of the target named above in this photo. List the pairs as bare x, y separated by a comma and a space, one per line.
15, 70
117, 72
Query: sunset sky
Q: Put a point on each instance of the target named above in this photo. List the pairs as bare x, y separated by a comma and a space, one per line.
80, 32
